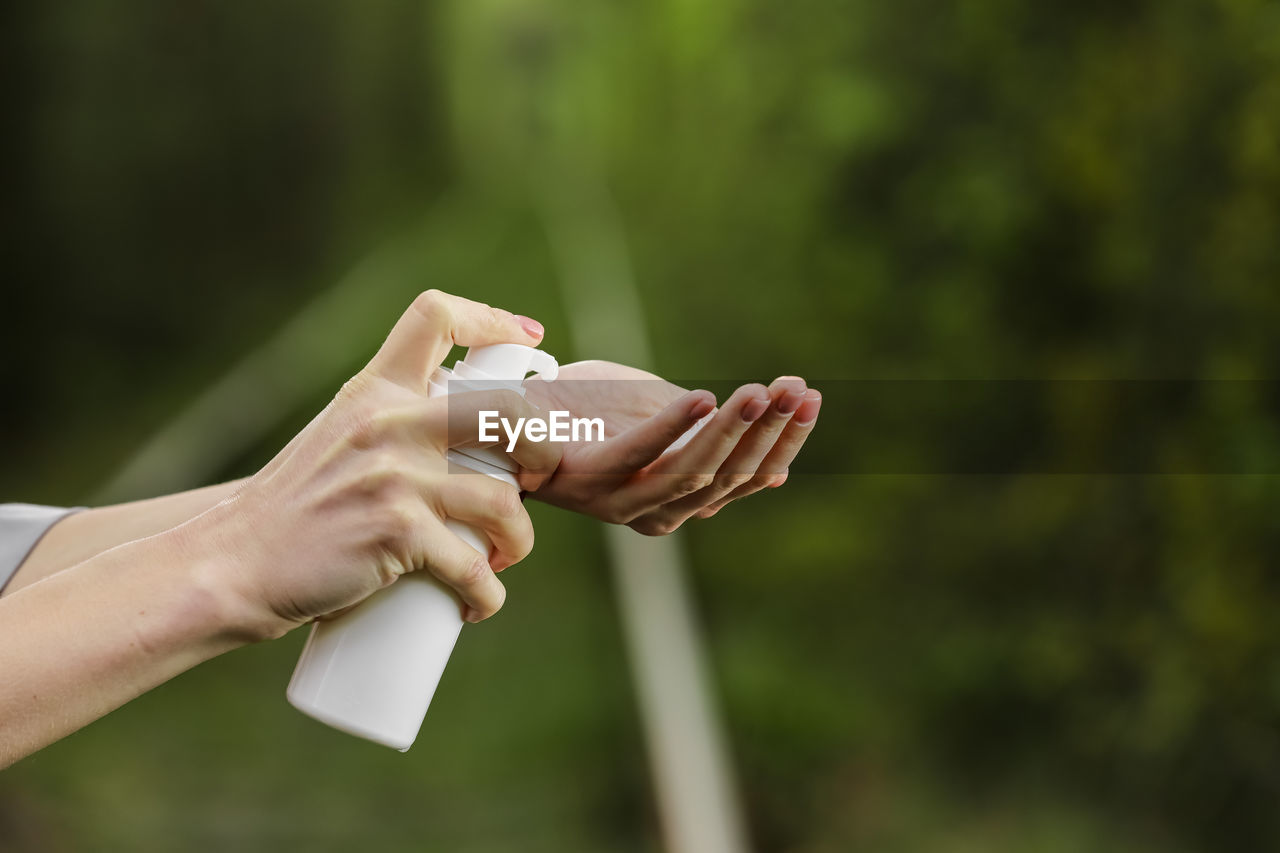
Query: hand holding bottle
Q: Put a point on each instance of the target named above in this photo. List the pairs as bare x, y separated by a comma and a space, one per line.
360, 496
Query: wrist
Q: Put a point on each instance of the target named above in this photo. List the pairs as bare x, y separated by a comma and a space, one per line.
220, 595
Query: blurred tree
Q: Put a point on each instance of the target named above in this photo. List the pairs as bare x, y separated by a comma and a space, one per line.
847, 191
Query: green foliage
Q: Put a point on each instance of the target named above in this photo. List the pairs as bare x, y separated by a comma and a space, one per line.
1020, 662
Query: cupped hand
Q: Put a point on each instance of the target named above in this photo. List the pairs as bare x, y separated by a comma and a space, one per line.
652, 474
361, 495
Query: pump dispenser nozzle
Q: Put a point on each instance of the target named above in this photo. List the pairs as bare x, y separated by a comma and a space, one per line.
510, 362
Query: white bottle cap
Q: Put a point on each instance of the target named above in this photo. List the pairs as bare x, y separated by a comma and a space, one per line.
505, 362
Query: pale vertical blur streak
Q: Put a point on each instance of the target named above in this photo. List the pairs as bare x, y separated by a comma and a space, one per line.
687, 751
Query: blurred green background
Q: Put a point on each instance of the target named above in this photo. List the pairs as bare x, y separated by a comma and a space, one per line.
839, 190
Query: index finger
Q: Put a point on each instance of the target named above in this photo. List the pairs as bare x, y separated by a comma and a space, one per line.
649, 439
437, 321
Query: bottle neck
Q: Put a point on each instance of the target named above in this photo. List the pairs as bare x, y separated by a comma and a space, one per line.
485, 460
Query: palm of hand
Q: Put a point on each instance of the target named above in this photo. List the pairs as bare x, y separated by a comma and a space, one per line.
637, 476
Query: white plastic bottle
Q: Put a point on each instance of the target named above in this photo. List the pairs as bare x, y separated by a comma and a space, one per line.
372, 671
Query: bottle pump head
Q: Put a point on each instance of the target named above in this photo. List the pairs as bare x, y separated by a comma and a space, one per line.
510, 362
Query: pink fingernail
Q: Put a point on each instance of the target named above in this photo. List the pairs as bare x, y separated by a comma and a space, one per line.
808, 411
702, 407
752, 411
789, 402
530, 325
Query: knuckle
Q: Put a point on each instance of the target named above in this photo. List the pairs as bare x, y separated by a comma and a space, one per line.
383, 470
505, 502
524, 542
728, 482
433, 305
687, 484
474, 574
384, 483
432, 301
491, 604
428, 299
397, 521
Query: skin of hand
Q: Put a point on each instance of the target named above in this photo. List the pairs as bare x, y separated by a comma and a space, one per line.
361, 495
637, 478
625, 480
357, 499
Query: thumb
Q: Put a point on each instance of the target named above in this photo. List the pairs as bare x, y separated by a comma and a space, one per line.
437, 321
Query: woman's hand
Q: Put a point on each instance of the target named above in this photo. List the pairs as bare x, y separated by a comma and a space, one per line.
360, 496
647, 475
356, 500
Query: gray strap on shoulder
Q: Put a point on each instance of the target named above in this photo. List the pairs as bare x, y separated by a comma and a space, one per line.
21, 526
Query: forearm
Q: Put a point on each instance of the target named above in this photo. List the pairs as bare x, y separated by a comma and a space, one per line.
84, 642
85, 534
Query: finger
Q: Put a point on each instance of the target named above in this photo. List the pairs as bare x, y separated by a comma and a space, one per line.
773, 471
464, 569
646, 441
496, 419
495, 508
741, 466
792, 439
692, 467
437, 321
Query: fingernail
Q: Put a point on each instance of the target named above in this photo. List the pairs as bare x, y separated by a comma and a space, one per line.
530, 325
472, 615
752, 411
702, 407
780, 479
789, 402
808, 411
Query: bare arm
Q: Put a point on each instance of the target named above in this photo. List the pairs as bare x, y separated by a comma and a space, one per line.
95, 636
115, 601
360, 497
86, 534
